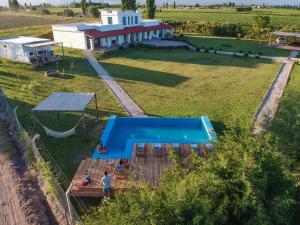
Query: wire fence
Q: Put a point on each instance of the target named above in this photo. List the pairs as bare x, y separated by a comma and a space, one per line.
40, 152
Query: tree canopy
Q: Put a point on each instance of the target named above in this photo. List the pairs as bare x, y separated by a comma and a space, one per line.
150, 9
245, 180
128, 4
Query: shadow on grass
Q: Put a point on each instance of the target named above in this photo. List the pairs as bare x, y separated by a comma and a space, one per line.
144, 75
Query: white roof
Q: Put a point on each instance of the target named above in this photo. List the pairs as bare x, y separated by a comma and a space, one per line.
65, 102
22, 40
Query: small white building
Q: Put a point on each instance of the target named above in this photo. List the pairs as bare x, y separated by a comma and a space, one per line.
29, 50
117, 28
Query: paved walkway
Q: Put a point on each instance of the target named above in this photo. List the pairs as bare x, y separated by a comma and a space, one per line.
127, 103
269, 106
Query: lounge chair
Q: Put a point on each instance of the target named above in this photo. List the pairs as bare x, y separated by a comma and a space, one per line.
140, 150
158, 150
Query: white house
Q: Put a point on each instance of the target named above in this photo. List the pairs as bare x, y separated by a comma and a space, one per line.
28, 49
117, 28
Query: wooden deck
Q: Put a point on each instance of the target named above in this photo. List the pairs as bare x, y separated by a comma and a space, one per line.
148, 169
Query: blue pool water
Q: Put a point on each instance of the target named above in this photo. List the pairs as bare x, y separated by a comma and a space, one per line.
121, 133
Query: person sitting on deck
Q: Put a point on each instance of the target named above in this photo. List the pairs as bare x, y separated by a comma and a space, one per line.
87, 179
106, 184
101, 148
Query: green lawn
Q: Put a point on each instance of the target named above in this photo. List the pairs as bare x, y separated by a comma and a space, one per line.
26, 87
234, 45
185, 83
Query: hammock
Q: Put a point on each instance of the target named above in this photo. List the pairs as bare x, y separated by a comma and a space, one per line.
57, 134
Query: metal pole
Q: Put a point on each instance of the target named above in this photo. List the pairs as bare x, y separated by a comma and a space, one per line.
97, 115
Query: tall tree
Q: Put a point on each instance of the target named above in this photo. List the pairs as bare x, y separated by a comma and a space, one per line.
174, 4
13, 5
83, 6
128, 4
150, 9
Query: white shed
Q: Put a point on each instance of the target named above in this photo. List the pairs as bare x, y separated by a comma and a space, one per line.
29, 50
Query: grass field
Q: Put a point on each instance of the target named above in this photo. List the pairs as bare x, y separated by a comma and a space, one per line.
184, 83
279, 17
234, 45
26, 87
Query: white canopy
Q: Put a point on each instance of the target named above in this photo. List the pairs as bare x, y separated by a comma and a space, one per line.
65, 102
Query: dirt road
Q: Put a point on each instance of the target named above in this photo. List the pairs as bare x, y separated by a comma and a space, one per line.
11, 212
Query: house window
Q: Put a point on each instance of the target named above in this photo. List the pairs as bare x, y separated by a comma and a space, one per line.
128, 20
155, 32
30, 53
132, 20
40, 52
136, 19
124, 21
109, 20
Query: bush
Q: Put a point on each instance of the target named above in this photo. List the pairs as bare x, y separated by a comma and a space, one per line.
215, 51
181, 35
220, 49
93, 12
66, 12
249, 52
259, 53
132, 45
241, 51
203, 47
246, 55
121, 47
257, 56
197, 49
206, 50
211, 48
46, 12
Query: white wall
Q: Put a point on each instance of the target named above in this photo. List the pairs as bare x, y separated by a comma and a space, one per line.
117, 17
70, 39
13, 51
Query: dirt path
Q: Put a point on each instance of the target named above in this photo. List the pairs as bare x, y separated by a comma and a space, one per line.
11, 212
269, 106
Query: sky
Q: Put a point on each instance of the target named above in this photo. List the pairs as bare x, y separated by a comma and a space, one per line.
201, 2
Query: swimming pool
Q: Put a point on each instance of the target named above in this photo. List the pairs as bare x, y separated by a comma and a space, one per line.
121, 133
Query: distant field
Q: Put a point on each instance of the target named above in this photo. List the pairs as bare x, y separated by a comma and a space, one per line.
279, 17
184, 83
10, 20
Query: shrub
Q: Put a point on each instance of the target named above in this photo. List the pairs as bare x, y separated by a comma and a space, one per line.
206, 50
211, 48
68, 13
220, 49
203, 47
45, 12
249, 52
259, 53
121, 47
181, 35
215, 51
197, 49
241, 51
257, 56
246, 55
132, 45
93, 12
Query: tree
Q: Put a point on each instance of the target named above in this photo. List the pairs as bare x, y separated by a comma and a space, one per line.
150, 9
13, 5
83, 6
174, 4
262, 21
245, 180
93, 12
128, 4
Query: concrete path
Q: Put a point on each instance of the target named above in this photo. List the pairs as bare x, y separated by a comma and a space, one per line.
123, 98
269, 106
164, 43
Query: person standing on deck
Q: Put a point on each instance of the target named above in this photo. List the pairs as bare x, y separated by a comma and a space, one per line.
106, 184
